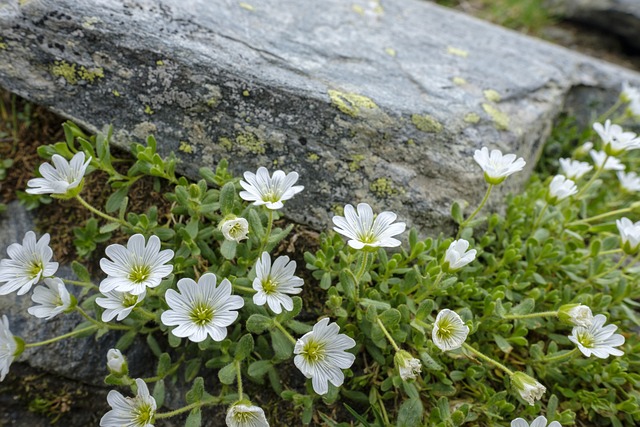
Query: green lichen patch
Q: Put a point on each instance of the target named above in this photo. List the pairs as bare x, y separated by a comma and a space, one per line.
338, 209
390, 51
384, 188
472, 118
246, 93
313, 157
225, 143
90, 74
246, 6
72, 74
457, 52
351, 103
356, 160
148, 110
3, 45
459, 81
426, 123
410, 141
492, 95
251, 143
185, 147
500, 119
115, 93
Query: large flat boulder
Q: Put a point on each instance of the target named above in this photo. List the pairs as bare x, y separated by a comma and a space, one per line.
374, 101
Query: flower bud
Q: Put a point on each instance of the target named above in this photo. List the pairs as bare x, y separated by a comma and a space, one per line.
116, 363
234, 228
575, 315
408, 366
528, 388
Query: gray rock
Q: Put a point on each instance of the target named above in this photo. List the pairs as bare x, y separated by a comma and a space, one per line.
368, 101
619, 17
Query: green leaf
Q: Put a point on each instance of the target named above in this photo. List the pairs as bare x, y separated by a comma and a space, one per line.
258, 323
244, 347
158, 392
410, 414
255, 224
153, 345
197, 391
115, 199
259, 368
126, 340
192, 369
502, 343
282, 347
525, 307
108, 228
227, 375
348, 282
456, 213
194, 419
228, 249
390, 318
81, 271
227, 198
164, 364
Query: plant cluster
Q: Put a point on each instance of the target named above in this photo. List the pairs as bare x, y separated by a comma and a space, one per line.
493, 326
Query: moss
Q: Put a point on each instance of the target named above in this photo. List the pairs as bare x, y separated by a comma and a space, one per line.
338, 209
225, 143
472, 118
458, 52
459, 81
351, 103
115, 93
246, 6
185, 147
500, 119
245, 93
148, 110
71, 75
313, 157
160, 63
390, 51
426, 123
90, 74
410, 141
383, 187
251, 143
492, 95
356, 160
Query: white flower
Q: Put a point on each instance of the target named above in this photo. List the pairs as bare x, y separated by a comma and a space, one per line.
274, 282
612, 162
234, 228
631, 95
629, 234
574, 169
615, 139
28, 263
449, 331
497, 167
583, 149
408, 366
130, 411
118, 304
54, 299
597, 339
135, 268
201, 309
116, 362
629, 181
65, 178
261, 189
560, 188
538, 422
241, 415
321, 355
8, 347
457, 255
528, 388
365, 231
576, 315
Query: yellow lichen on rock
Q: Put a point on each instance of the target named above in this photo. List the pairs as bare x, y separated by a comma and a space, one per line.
492, 95
472, 118
457, 52
72, 75
185, 147
426, 123
251, 143
459, 81
500, 119
384, 187
351, 103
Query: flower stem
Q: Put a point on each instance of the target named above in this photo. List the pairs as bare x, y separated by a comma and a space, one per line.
601, 216
244, 289
210, 401
474, 213
592, 179
100, 324
146, 313
284, 331
79, 283
239, 377
560, 357
263, 244
387, 334
540, 215
99, 213
531, 315
170, 371
604, 116
61, 337
486, 358
604, 273
363, 267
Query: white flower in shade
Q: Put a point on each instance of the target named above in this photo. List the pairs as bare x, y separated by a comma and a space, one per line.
496, 166
262, 189
202, 308
65, 178
321, 355
234, 228
631, 96
597, 339
576, 315
366, 230
119, 304
538, 422
584, 149
8, 347
629, 182
574, 169
629, 234
136, 267
53, 299
615, 139
130, 411
28, 263
457, 255
116, 362
449, 331
408, 366
528, 388
246, 415
560, 188
612, 162
274, 282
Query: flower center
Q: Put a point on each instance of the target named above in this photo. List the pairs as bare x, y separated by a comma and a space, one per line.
314, 351
271, 196
244, 417
143, 414
368, 237
446, 330
586, 339
269, 287
139, 273
236, 230
201, 314
129, 300
34, 268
